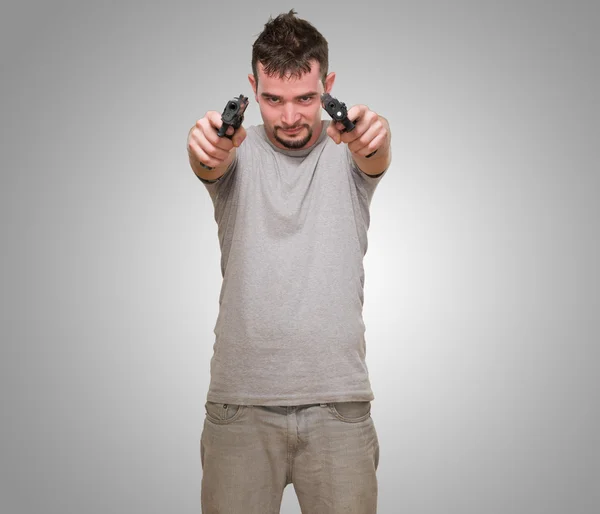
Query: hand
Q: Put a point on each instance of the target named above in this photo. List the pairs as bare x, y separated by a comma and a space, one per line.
204, 145
369, 134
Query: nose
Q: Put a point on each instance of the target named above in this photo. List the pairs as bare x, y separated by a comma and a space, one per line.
290, 115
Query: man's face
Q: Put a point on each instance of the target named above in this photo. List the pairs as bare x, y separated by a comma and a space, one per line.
291, 107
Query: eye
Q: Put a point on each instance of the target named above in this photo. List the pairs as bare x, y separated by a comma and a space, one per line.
273, 100
305, 99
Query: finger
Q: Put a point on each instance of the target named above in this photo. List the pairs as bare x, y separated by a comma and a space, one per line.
366, 129
238, 136
216, 151
356, 113
209, 134
225, 130
334, 133
216, 122
224, 143
214, 118
372, 147
365, 135
354, 134
201, 157
339, 126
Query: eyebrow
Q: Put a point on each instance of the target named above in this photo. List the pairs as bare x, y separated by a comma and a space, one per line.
310, 94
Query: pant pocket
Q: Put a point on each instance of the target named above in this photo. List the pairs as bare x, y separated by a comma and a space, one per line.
351, 412
223, 413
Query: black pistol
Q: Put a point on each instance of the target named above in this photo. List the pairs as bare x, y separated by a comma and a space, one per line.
338, 112
233, 114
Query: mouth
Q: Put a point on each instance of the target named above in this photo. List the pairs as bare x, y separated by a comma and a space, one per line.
291, 131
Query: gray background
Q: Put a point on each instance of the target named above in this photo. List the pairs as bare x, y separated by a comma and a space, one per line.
481, 299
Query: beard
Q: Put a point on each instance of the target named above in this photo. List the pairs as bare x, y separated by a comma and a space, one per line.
293, 144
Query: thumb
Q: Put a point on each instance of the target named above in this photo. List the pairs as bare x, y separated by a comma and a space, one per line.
334, 133
239, 136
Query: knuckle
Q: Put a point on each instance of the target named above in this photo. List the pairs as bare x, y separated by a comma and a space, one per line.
195, 135
194, 149
209, 160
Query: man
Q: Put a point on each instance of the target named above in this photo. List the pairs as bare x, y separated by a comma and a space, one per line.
289, 398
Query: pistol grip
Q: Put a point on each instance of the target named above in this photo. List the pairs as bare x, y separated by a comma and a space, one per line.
223, 130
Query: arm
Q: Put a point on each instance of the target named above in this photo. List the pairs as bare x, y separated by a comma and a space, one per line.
370, 137
213, 139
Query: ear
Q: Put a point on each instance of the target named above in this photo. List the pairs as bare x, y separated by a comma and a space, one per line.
252, 81
329, 80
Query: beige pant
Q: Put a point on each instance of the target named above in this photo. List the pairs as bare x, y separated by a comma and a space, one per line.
329, 452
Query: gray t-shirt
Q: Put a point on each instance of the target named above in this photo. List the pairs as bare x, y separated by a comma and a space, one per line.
292, 227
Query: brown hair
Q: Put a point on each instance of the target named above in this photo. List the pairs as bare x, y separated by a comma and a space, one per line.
286, 46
